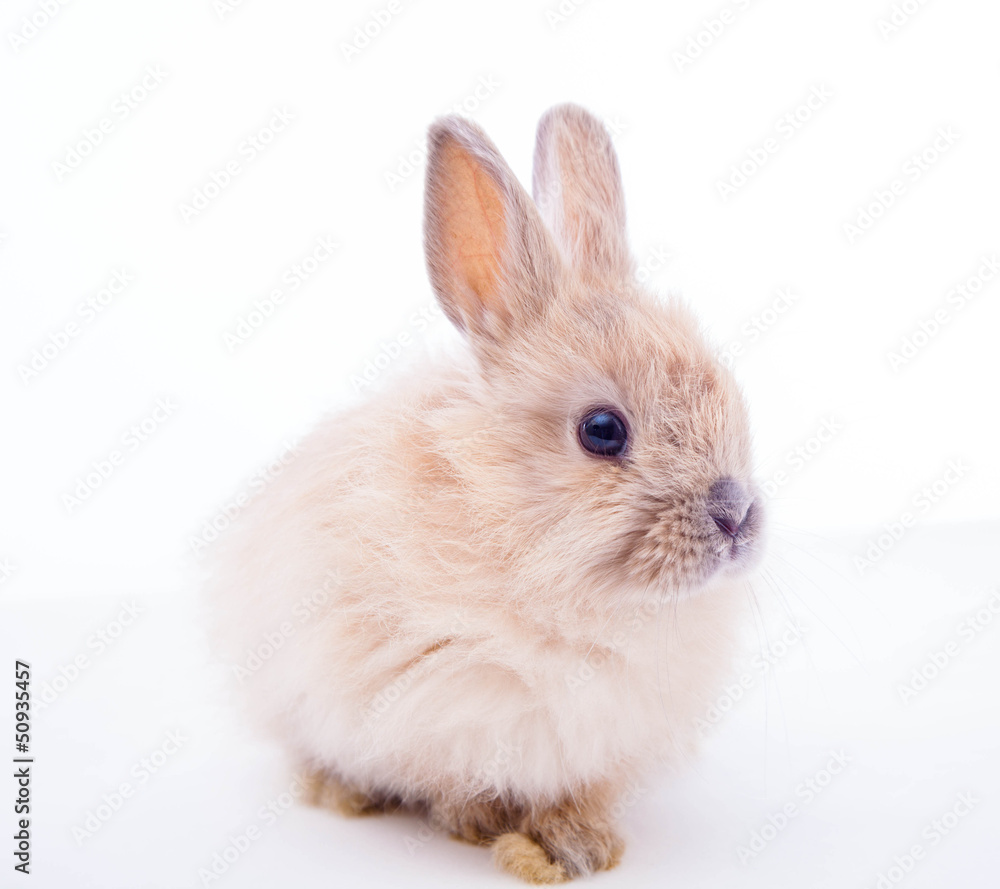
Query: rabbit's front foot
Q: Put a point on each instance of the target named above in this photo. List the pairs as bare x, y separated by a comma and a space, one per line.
556, 844
519, 855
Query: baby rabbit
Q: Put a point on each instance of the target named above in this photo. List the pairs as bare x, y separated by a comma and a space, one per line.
510, 578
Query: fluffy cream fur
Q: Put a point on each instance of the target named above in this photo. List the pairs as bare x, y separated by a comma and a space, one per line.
484, 614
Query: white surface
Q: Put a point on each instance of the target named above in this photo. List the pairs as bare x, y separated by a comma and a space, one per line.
823, 365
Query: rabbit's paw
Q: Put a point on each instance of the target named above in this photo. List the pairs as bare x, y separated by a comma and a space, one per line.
326, 790
522, 857
578, 833
558, 843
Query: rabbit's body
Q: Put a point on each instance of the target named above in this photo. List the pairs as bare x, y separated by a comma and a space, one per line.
446, 665
478, 615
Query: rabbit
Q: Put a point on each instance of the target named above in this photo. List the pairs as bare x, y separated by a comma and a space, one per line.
504, 588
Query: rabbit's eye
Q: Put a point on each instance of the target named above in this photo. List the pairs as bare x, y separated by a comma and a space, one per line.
603, 432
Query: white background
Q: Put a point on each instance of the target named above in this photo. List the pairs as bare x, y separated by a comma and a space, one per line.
357, 121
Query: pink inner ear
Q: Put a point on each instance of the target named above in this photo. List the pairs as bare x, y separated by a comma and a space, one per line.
474, 231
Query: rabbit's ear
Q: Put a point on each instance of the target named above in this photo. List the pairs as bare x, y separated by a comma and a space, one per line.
491, 261
578, 188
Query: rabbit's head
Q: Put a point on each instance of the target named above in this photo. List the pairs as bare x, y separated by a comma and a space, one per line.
615, 446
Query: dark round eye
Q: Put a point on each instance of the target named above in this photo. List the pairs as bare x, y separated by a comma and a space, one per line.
603, 432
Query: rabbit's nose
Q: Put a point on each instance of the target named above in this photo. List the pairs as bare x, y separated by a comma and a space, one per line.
728, 504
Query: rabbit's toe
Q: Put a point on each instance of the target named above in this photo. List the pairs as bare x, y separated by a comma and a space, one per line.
522, 857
